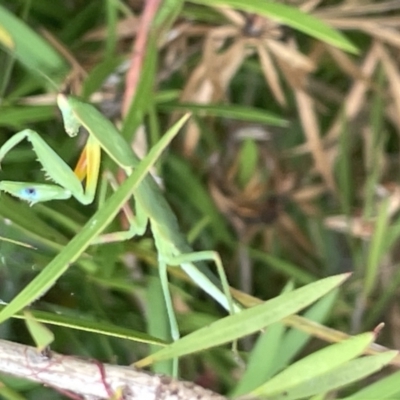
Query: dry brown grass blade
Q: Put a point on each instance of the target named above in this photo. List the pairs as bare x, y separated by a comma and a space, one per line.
308, 193
232, 15
362, 23
291, 56
348, 8
191, 138
382, 28
392, 191
373, 155
199, 85
270, 74
345, 63
355, 99
309, 122
77, 74
221, 67
393, 77
310, 5
389, 35
355, 226
296, 234
126, 29
294, 77
209, 81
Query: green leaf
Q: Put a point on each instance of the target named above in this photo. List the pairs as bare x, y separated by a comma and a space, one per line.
386, 388
280, 347
18, 117
241, 113
246, 322
295, 339
315, 365
85, 324
377, 247
269, 343
248, 161
28, 47
350, 372
281, 265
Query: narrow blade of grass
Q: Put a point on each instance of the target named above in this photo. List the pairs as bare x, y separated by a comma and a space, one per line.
241, 113
315, 365
350, 372
28, 47
387, 388
246, 322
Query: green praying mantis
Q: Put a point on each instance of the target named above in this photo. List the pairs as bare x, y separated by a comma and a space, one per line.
150, 204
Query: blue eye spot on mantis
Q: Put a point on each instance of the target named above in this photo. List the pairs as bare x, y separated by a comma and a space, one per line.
34, 192
150, 204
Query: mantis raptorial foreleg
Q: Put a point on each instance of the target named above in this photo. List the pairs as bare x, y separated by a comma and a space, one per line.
68, 183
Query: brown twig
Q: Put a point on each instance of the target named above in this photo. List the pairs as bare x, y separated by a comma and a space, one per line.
85, 378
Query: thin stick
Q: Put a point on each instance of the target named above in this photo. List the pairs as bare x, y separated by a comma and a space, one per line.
87, 379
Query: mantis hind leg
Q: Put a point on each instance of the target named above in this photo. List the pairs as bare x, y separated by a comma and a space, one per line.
223, 297
173, 323
185, 261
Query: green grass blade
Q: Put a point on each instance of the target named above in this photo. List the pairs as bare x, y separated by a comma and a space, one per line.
28, 47
350, 372
7, 393
315, 365
29, 223
246, 322
270, 342
288, 16
377, 248
281, 265
74, 249
167, 13
295, 340
157, 321
386, 388
188, 186
241, 113
17, 117
85, 323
